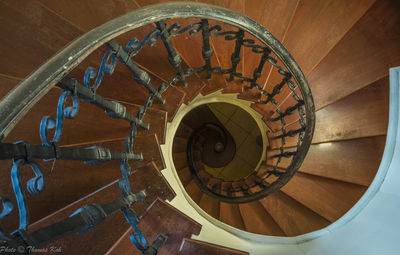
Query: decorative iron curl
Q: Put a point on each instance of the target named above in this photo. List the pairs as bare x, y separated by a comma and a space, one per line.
250, 43
229, 35
133, 47
7, 208
48, 123
107, 65
192, 28
137, 237
34, 186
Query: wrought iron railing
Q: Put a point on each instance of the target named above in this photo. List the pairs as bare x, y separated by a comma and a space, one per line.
56, 72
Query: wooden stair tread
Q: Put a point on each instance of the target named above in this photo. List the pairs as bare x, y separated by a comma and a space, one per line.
361, 114
329, 198
179, 144
148, 178
149, 146
183, 130
194, 191
160, 218
355, 161
185, 176
46, 35
318, 37
7, 83
180, 160
292, 217
360, 57
257, 220
210, 205
230, 214
190, 246
87, 20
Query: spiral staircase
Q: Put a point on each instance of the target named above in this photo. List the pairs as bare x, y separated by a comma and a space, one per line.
344, 49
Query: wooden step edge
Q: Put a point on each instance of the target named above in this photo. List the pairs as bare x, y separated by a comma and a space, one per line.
296, 206
152, 224
210, 205
38, 223
274, 219
191, 246
171, 116
321, 176
120, 241
159, 200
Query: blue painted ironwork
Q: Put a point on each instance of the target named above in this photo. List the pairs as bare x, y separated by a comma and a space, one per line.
34, 186
48, 123
7, 208
105, 67
133, 47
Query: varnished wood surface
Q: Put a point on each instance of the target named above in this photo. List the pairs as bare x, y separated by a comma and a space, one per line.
291, 216
160, 218
361, 114
180, 160
209, 205
149, 146
363, 55
7, 83
257, 220
183, 130
190, 246
329, 198
318, 38
185, 176
148, 178
230, 214
30, 35
179, 145
334, 20
355, 161
194, 191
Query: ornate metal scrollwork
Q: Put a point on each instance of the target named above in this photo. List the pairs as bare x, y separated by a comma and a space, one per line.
48, 123
34, 186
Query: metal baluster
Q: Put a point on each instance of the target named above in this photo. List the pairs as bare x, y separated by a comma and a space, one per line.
139, 75
206, 50
258, 71
173, 56
235, 58
92, 155
112, 108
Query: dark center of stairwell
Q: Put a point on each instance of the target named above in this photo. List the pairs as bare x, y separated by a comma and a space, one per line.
229, 156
